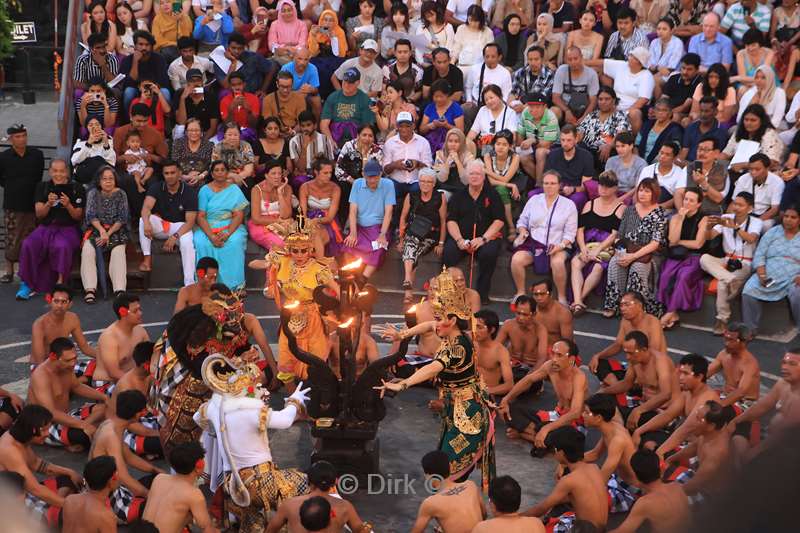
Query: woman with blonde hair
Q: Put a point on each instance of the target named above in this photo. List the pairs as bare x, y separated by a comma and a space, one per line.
764, 92
452, 160
547, 39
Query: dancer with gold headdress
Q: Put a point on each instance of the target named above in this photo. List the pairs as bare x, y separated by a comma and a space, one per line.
242, 464
293, 274
467, 420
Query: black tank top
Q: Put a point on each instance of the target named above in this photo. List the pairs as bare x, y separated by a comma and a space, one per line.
608, 223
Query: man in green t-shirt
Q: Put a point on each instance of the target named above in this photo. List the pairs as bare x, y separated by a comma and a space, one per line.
346, 110
537, 130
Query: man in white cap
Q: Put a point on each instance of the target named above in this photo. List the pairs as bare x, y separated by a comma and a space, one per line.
633, 83
371, 73
403, 155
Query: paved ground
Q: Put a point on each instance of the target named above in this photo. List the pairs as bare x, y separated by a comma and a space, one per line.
409, 430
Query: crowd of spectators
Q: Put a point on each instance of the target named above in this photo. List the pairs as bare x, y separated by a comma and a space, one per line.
622, 147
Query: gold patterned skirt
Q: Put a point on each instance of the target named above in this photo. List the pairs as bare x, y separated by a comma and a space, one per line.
468, 431
180, 427
268, 486
309, 330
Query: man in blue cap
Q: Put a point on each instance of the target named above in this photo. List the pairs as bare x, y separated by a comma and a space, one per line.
346, 109
372, 201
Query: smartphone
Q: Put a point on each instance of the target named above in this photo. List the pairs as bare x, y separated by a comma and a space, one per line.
769, 282
373, 102
198, 90
697, 166
217, 16
177, 6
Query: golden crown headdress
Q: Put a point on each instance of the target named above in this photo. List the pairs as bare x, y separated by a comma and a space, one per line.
224, 379
223, 307
448, 298
295, 232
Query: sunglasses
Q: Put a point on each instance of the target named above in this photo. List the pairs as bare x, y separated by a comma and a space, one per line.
294, 250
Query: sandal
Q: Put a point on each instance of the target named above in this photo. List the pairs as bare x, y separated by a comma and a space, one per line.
577, 309
90, 298
609, 313
6, 278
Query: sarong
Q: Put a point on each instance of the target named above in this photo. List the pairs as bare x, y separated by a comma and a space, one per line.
596, 235
560, 524
125, 506
522, 416
47, 253
18, 226
363, 248
49, 513
310, 337
680, 286
467, 434
263, 236
621, 495
140, 445
334, 233
343, 132
60, 435
268, 487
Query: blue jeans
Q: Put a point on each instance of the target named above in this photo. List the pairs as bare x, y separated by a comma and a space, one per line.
132, 92
751, 308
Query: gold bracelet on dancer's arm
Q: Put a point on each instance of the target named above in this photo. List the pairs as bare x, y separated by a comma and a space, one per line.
296, 403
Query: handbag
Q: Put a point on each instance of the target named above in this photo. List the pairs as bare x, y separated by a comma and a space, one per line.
678, 252
632, 248
541, 262
420, 225
605, 255
578, 102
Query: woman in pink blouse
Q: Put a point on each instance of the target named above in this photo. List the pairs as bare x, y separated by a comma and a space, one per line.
286, 33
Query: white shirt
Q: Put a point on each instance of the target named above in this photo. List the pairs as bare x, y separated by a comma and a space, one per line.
671, 181
506, 120
418, 149
791, 115
733, 244
628, 86
335, 5
177, 70
765, 195
205, 4
459, 8
775, 109
536, 215
499, 75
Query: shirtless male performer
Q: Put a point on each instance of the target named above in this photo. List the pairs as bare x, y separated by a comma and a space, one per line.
739, 367
51, 385
652, 371
17, 455
321, 479
460, 280
552, 314
674, 422
142, 435
428, 342
116, 343
10, 406
126, 501
634, 317
207, 271
526, 338
712, 447
664, 505
570, 386
494, 362
505, 496
59, 321
88, 512
175, 501
456, 506
783, 398
583, 487
615, 441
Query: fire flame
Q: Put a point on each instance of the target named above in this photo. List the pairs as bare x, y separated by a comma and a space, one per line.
363, 293
347, 323
353, 265
292, 305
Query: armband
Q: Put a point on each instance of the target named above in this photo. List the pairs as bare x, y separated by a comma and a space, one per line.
43, 466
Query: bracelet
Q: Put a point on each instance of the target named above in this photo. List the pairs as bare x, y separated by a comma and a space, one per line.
43, 466
441, 243
403, 386
292, 401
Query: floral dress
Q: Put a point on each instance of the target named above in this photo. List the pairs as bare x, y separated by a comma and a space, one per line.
596, 132
108, 209
638, 276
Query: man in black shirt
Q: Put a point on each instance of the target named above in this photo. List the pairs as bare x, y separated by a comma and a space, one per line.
680, 87
169, 212
563, 15
143, 64
20, 171
203, 105
576, 167
441, 68
47, 253
474, 224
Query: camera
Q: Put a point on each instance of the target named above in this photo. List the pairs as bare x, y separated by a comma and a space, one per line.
409, 164
733, 265
373, 102
97, 96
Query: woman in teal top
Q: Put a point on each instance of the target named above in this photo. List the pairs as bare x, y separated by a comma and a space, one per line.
220, 232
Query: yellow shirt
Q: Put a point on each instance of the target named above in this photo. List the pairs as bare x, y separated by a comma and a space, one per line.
167, 30
298, 283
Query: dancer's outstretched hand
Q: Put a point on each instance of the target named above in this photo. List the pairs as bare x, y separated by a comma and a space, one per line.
300, 394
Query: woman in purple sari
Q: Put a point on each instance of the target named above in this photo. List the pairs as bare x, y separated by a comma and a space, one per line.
680, 287
319, 199
597, 231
